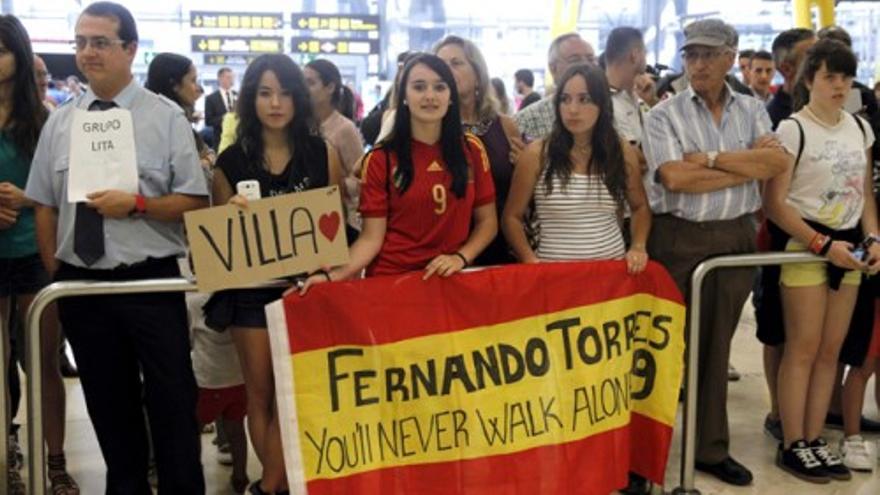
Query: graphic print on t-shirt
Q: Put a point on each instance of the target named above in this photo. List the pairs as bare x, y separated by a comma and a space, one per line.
846, 186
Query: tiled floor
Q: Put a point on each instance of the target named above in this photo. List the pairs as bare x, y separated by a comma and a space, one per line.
748, 404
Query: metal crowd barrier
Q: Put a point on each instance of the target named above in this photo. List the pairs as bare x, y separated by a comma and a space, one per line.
58, 290
689, 433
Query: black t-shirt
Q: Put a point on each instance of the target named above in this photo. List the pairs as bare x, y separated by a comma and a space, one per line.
533, 97
780, 107
307, 169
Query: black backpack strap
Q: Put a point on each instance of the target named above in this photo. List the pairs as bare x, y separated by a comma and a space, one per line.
861, 125
801, 142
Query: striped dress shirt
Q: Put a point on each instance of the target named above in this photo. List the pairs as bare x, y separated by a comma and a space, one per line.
683, 124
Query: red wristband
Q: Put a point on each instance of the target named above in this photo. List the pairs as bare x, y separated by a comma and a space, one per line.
140, 204
818, 243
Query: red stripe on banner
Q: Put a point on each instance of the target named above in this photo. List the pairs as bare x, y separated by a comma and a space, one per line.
339, 313
656, 437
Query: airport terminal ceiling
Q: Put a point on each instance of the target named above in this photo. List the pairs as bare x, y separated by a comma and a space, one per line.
512, 33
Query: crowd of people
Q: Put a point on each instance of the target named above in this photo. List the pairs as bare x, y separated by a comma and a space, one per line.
610, 164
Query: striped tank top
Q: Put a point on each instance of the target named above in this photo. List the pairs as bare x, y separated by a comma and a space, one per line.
579, 222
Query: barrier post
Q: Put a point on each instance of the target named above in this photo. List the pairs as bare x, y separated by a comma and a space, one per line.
689, 435
55, 291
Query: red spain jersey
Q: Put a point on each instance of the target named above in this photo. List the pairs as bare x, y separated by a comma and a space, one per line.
428, 219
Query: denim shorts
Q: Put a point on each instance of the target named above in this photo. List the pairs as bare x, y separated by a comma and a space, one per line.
19, 276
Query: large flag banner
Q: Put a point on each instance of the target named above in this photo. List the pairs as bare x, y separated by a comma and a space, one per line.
551, 378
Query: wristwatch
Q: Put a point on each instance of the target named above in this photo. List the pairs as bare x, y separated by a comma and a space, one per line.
711, 156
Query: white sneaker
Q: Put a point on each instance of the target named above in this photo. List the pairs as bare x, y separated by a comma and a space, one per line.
857, 454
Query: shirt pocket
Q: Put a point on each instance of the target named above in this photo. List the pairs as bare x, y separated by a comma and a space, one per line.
154, 177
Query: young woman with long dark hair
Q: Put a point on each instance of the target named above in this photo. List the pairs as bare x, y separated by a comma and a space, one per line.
277, 145
327, 92
423, 186
580, 177
176, 78
22, 274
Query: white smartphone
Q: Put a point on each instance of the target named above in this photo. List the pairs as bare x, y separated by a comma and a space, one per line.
250, 189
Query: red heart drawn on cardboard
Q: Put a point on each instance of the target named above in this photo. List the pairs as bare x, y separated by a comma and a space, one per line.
329, 225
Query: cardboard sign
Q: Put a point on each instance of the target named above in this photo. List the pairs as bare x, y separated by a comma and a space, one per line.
102, 153
271, 238
526, 379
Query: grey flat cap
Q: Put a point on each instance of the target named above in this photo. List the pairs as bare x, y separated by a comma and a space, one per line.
710, 32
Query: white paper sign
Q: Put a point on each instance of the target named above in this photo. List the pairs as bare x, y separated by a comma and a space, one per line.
102, 153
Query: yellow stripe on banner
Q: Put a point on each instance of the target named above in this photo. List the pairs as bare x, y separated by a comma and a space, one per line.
543, 380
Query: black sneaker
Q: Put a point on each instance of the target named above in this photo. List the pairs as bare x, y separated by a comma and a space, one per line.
773, 427
799, 460
255, 489
832, 464
869, 425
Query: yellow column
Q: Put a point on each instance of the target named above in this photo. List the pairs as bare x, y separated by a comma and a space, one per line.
826, 12
801, 11
803, 17
565, 16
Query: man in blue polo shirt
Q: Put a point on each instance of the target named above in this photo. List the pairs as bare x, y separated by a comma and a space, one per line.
132, 350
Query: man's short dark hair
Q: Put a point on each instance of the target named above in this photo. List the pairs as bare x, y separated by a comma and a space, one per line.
836, 33
785, 42
524, 76
621, 40
127, 31
223, 70
402, 57
761, 55
747, 53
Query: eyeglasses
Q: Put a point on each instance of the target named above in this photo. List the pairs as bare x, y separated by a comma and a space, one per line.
98, 43
692, 56
42, 75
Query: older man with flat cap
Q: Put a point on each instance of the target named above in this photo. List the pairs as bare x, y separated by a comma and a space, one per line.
707, 149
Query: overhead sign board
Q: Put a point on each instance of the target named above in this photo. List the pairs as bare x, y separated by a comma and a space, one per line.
334, 46
236, 20
221, 59
335, 22
237, 44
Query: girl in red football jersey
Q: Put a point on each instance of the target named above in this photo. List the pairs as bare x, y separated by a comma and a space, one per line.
423, 186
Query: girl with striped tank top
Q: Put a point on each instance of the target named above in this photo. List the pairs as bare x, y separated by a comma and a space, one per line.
580, 177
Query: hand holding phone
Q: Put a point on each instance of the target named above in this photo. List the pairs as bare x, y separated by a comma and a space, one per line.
249, 189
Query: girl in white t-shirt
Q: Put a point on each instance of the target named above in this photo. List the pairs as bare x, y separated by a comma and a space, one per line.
823, 202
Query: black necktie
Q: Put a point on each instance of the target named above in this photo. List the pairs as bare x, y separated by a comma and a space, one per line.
88, 225
228, 101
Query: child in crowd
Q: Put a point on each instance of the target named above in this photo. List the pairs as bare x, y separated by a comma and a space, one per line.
824, 202
222, 393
